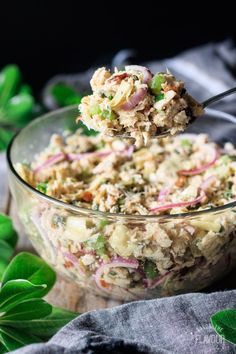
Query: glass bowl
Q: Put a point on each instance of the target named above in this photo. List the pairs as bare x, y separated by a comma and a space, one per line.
201, 245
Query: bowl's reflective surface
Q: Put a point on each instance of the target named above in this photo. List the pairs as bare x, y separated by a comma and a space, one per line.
202, 245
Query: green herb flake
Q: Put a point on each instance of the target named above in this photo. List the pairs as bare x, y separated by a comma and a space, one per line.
228, 194
159, 97
58, 220
95, 109
95, 207
228, 190
103, 223
177, 151
150, 270
42, 187
112, 273
121, 200
110, 97
186, 143
98, 245
107, 114
225, 159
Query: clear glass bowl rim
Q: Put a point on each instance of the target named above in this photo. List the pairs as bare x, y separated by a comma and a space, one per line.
100, 214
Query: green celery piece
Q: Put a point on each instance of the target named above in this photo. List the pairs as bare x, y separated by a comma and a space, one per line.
5, 138
49, 325
16, 291
30, 309
159, 97
95, 109
64, 95
224, 323
150, 270
98, 245
19, 108
30, 267
14, 339
10, 81
107, 114
42, 187
156, 83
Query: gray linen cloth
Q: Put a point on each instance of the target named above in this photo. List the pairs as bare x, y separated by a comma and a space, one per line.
175, 325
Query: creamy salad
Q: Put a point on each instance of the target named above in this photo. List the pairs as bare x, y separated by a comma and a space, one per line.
172, 175
135, 103
138, 258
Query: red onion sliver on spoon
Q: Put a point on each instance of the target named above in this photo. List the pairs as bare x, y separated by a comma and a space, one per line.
198, 170
147, 76
116, 262
179, 204
134, 99
51, 161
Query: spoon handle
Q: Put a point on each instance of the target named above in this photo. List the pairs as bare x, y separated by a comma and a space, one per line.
218, 97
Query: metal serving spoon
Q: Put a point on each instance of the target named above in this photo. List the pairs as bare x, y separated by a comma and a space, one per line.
206, 103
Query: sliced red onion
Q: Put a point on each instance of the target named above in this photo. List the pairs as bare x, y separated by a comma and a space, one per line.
179, 204
128, 151
134, 99
152, 283
164, 192
116, 262
208, 182
147, 75
51, 161
127, 262
71, 257
73, 157
198, 170
74, 260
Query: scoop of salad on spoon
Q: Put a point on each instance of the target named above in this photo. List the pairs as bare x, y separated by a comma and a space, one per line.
134, 103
